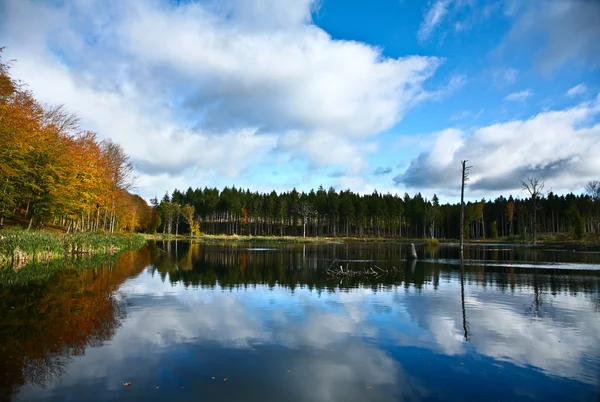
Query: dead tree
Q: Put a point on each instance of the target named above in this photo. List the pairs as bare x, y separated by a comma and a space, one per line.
534, 186
465, 178
593, 189
306, 211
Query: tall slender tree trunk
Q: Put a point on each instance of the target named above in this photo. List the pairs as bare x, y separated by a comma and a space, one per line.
462, 206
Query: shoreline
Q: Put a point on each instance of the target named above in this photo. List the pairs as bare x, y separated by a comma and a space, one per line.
566, 245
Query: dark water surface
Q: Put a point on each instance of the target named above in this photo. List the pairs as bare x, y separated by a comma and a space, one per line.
203, 322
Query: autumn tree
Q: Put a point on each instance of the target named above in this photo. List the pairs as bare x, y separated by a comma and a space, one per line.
120, 174
188, 213
52, 171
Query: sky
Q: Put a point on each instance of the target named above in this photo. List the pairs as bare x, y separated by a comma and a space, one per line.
280, 94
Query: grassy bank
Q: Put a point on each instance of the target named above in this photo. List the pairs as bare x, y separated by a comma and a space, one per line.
289, 239
560, 241
21, 247
280, 239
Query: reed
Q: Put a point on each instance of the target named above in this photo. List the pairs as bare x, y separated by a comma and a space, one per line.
21, 247
432, 242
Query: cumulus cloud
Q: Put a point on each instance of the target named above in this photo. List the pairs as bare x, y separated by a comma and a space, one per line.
212, 87
560, 147
577, 90
519, 96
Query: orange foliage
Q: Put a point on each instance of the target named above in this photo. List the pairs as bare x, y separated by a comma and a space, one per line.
59, 173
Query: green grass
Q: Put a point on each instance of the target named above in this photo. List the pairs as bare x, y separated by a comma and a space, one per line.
20, 247
292, 239
432, 242
543, 239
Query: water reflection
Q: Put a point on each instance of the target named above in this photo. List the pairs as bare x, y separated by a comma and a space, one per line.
272, 324
42, 328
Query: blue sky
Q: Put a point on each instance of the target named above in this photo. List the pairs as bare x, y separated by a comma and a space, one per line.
275, 94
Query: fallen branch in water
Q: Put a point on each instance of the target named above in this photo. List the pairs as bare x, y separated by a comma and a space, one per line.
367, 272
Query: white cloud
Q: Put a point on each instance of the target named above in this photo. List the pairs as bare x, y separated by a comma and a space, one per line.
519, 96
433, 18
560, 147
577, 90
461, 15
201, 87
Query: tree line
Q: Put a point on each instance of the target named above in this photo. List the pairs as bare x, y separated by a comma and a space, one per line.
54, 172
345, 213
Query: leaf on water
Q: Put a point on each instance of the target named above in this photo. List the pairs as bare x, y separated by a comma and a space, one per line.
289, 371
369, 387
126, 384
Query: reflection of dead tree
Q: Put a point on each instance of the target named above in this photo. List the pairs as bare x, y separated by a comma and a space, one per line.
462, 298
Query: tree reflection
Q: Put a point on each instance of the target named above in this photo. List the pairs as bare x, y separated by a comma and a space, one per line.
462, 300
79, 309
238, 265
42, 328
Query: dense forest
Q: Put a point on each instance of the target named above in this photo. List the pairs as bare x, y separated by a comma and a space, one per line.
332, 213
54, 172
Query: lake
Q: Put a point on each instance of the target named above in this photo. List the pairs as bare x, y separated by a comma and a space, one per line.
264, 322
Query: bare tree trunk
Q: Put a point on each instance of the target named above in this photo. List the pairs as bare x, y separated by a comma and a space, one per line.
465, 176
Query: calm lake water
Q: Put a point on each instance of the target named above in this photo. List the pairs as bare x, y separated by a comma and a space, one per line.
210, 322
